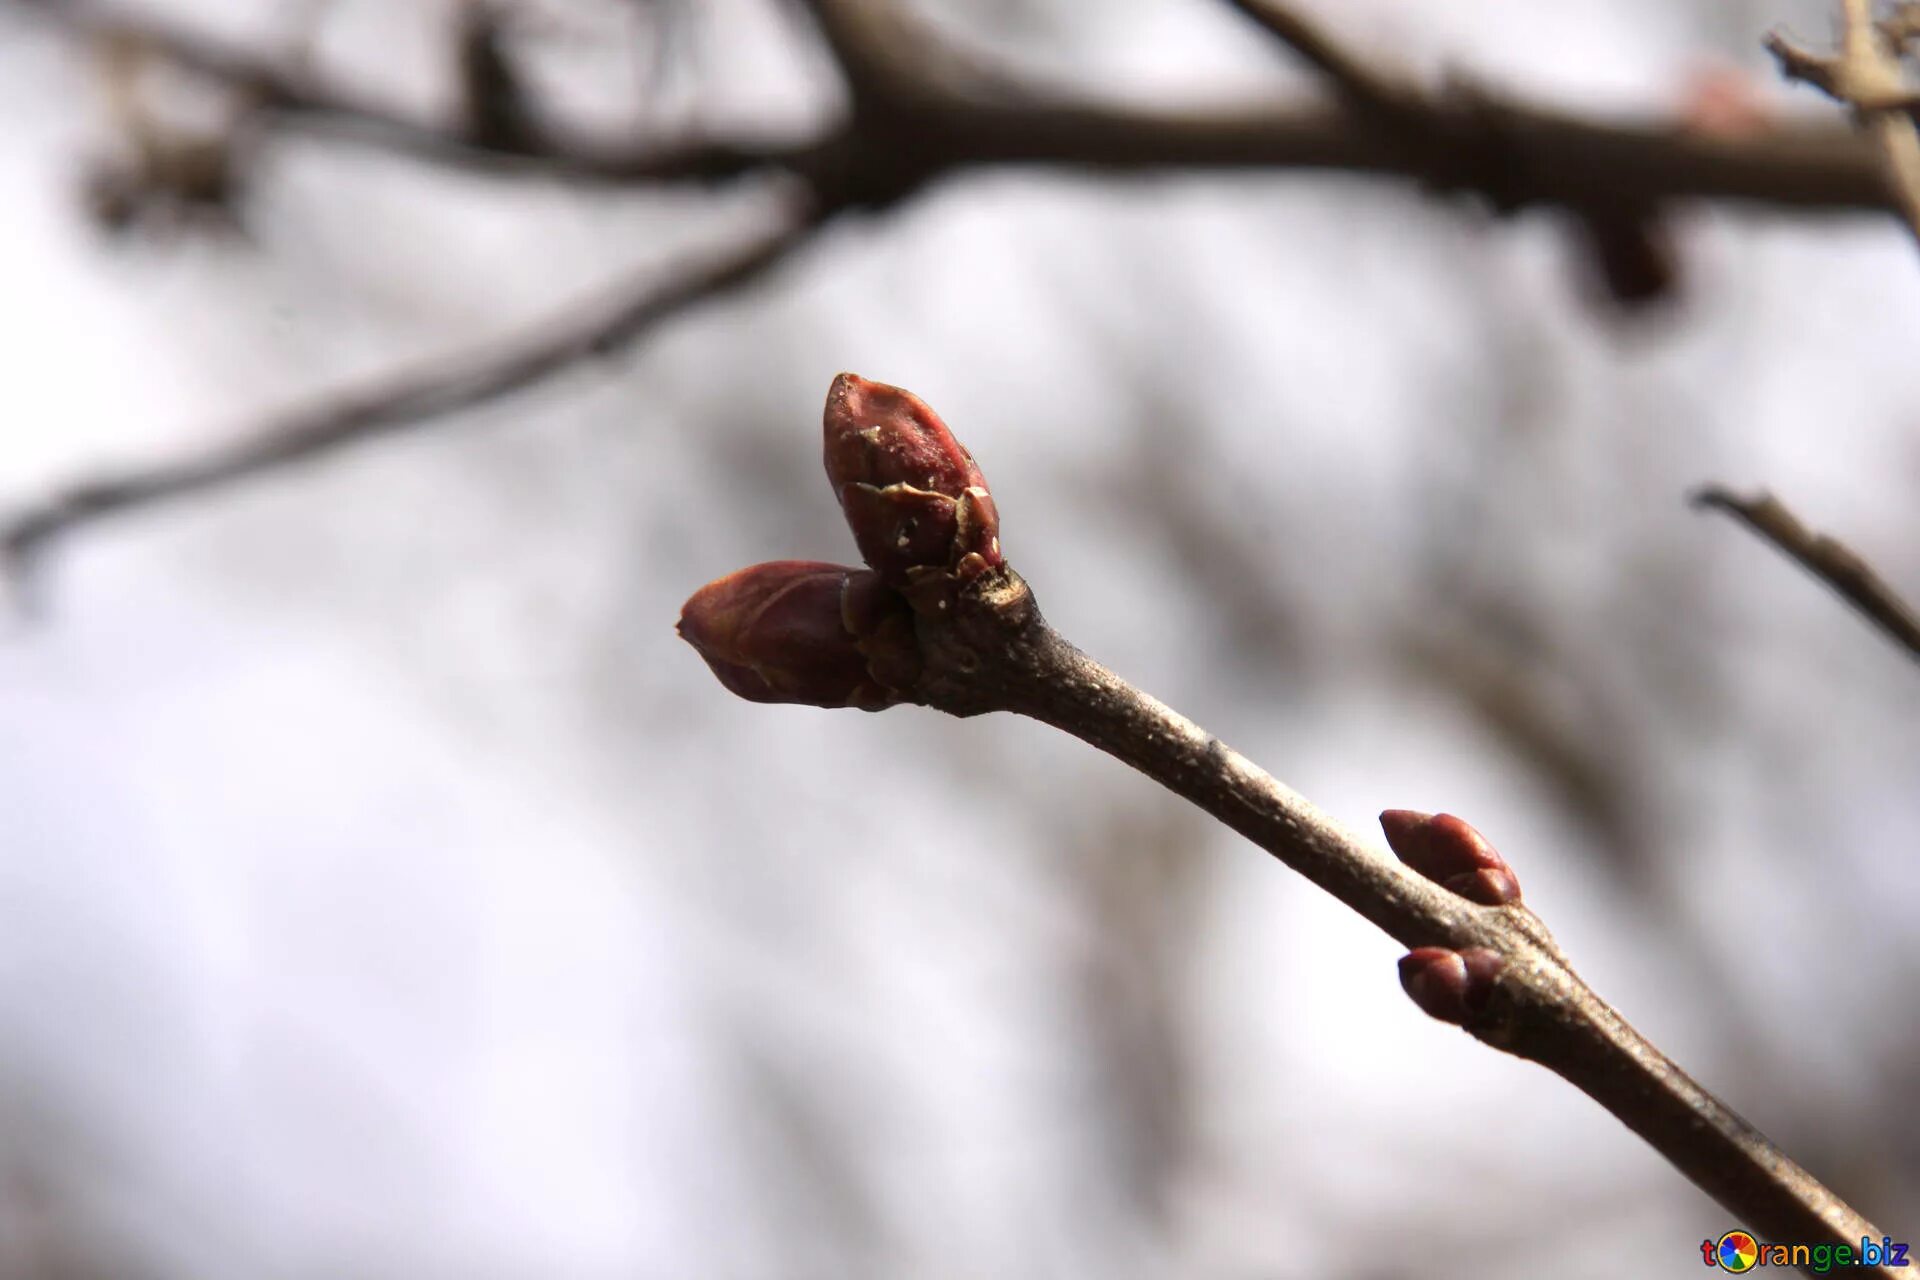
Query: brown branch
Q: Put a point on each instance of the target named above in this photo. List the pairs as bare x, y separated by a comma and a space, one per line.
416, 396
950, 115
1828, 560
982, 645
923, 113
1867, 76
296, 94
1370, 89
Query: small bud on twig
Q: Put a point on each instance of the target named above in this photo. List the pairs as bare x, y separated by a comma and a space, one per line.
1449, 852
1450, 985
915, 500
822, 635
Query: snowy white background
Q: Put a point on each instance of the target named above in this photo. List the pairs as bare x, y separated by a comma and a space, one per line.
386, 891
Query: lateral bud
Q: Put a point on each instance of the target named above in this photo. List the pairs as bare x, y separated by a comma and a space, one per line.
1452, 986
1449, 852
912, 494
800, 631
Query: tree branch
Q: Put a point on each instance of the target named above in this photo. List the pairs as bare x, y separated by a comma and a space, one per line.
312, 101
1369, 89
923, 113
413, 397
1867, 76
939, 619
1828, 560
1538, 1008
960, 116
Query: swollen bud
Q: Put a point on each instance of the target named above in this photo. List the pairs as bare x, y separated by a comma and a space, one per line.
1452, 854
800, 631
1452, 986
911, 493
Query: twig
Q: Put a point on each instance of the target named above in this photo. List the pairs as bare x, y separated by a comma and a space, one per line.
292, 92
413, 397
940, 619
1867, 76
1828, 560
1538, 1009
1366, 87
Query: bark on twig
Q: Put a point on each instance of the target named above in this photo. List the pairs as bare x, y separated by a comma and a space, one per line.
1826, 559
992, 651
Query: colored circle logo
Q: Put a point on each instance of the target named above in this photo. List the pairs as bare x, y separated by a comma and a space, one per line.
1736, 1251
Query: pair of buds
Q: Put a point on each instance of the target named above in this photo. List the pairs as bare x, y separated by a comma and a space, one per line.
1450, 985
829, 635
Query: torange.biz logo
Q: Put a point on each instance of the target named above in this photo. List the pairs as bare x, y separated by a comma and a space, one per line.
1737, 1251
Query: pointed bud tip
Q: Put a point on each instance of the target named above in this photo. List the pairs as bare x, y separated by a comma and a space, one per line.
910, 491
1450, 852
783, 632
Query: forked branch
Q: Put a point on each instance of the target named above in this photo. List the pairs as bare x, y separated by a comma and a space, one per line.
1866, 74
922, 113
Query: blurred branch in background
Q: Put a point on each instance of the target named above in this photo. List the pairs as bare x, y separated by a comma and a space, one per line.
1866, 75
921, 112
1825, 558
288, 91
417, 396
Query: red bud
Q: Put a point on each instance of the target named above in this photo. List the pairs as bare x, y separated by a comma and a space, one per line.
912, 495
800, 631
1452, 986
1449, 852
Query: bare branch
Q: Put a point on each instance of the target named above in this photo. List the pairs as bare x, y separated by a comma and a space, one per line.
941, 620
415, 396
293, 93
1537, 1007
893, 61
1535, 156
1832, 562
1867, 76
1370, 89
923, 113
960, 116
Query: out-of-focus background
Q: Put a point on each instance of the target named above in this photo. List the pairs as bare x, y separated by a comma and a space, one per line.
385, 891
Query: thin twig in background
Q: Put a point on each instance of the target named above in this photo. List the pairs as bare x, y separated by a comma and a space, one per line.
1360, 81
418, 395
1867, 76
1832, 562
291, 91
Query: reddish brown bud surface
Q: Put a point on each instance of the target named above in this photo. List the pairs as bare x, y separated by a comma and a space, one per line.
800, 631
1449, 852
911, 493
1452, 986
